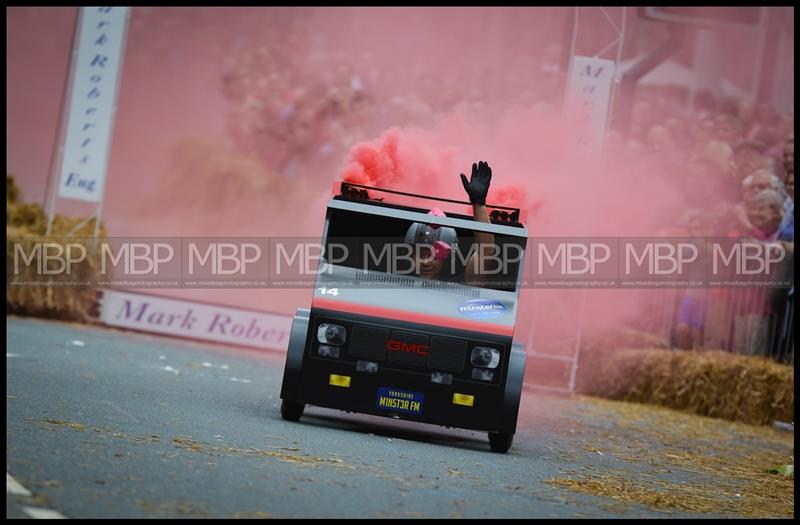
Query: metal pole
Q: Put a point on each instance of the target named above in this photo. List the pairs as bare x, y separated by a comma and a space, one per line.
644, 66
81, 224
762, 38
97, 219
571, 56
576, 355
621, 37
769, 56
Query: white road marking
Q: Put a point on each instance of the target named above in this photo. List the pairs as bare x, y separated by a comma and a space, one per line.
170, 369
75, 342
12, 355
13, 487
43, 514
162, 358
237, 380
209, 365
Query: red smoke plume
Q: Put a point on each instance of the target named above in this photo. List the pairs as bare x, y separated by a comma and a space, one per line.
414, 159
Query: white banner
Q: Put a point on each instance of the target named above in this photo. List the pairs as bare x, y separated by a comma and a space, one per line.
588, 98
93, 93
195, 320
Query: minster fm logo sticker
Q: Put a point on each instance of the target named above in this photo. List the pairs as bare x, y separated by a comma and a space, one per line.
481, 309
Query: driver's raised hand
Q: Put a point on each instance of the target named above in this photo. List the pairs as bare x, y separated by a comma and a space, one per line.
478, 185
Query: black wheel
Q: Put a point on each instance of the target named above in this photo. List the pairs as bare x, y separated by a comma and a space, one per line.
291, 410
500, 441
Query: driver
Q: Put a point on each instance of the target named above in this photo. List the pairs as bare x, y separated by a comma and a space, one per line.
434, 244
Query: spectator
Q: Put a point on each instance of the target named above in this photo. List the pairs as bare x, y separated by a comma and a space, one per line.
679, 131
693, 307
702, 181
747, 114
788, 162
660, 141
748, 155
761, 180
753, 307
720, 153
765, 213
787, 225
727, 129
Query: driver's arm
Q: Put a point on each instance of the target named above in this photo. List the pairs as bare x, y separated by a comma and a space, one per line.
484, 249
477, 188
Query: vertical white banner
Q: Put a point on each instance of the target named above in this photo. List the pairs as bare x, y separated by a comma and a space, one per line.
96, 68
588, 98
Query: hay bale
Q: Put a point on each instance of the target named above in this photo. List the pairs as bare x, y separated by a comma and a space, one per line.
12, 190
749, 389
65, 297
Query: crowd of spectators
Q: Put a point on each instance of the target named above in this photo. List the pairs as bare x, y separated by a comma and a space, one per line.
305, 114
734, 161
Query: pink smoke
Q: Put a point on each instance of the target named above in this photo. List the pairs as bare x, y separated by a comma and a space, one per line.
399, 157
537, 165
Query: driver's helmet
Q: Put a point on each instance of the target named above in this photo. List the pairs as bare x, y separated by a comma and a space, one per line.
440, 238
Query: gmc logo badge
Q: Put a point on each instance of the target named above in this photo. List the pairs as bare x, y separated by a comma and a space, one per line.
412, 348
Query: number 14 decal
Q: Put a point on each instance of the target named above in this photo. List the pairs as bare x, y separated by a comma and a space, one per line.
328, 291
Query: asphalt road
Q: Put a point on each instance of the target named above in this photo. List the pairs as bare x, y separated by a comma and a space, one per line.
106, 423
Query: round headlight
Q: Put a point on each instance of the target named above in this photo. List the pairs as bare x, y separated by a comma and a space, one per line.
485, 357
332, 334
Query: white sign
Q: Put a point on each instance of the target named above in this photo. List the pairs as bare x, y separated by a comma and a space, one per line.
195, 320
588, 97
93, 93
